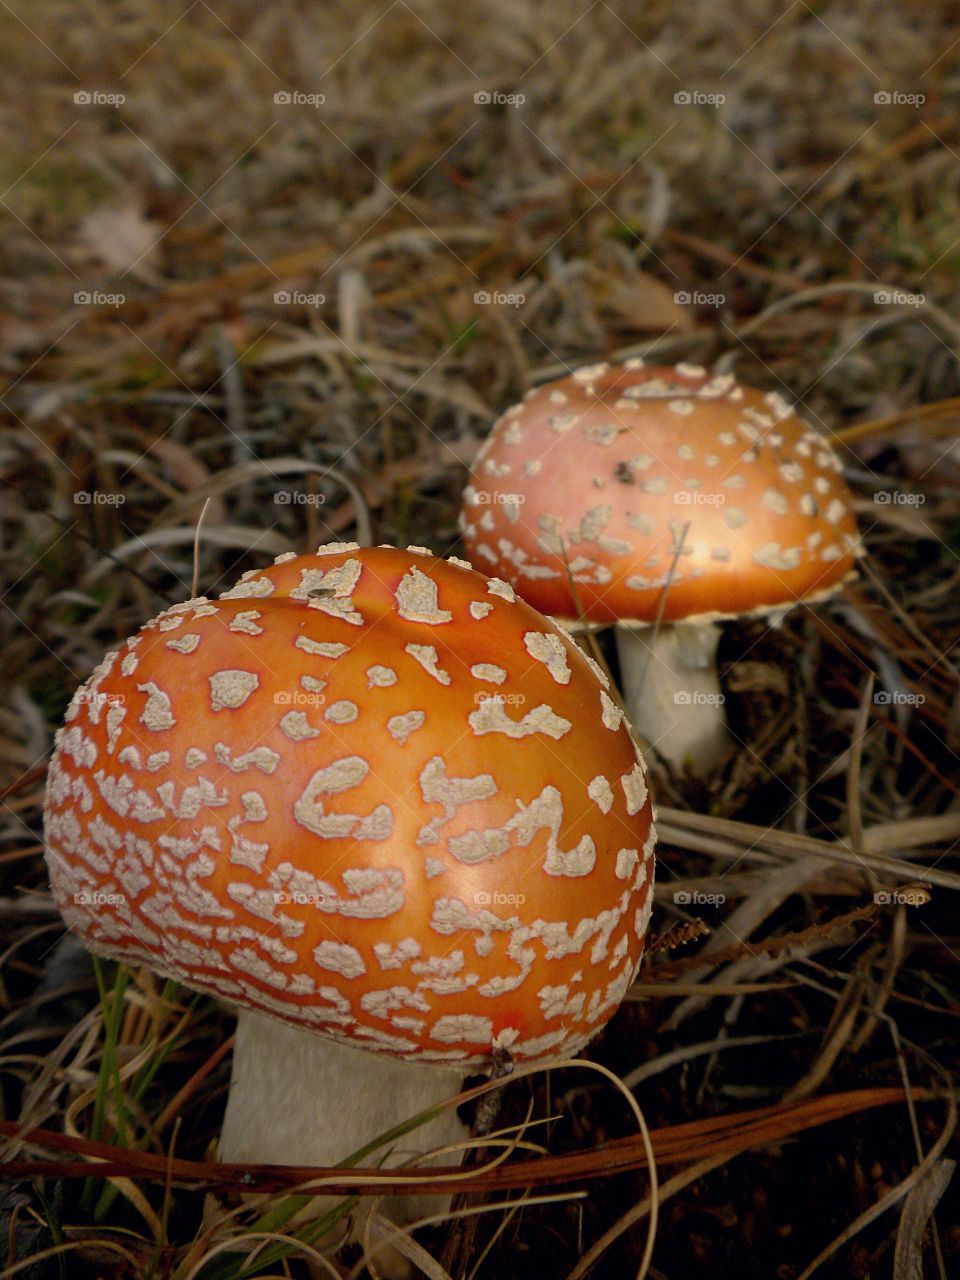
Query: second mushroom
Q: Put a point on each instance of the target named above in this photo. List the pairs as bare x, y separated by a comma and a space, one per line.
637, 495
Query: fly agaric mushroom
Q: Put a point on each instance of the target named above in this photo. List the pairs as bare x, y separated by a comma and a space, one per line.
379, 804
630, 495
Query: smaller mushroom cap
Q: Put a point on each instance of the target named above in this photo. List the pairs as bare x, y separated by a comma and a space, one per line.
628, 479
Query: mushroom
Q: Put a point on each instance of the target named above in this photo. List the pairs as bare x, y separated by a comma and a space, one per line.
638, 495
381, 806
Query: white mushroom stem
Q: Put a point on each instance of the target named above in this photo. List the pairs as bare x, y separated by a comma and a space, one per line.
672, 693
302, 1099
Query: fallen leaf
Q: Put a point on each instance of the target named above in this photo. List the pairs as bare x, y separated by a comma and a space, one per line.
122, 238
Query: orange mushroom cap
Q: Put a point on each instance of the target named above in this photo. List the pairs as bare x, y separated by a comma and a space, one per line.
595, 476
366, 791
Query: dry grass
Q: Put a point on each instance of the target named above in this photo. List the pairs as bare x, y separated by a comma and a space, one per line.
597, 199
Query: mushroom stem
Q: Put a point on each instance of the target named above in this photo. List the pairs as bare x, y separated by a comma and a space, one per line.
672, 692
303, 1099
